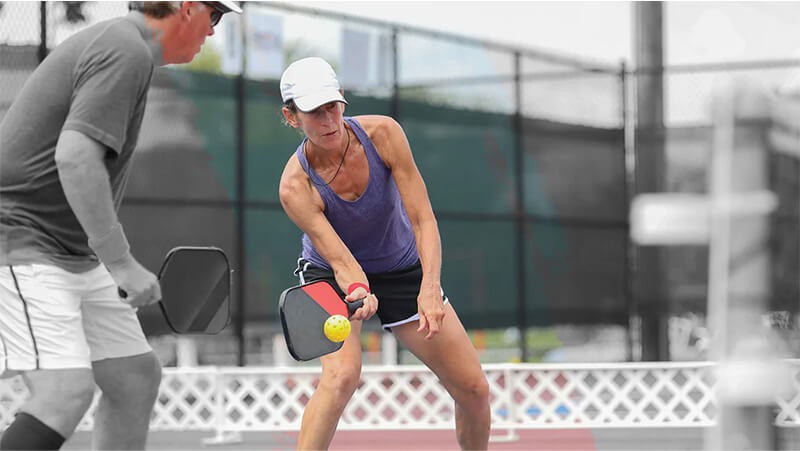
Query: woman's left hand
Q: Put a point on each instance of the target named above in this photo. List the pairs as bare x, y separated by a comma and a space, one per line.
431, 312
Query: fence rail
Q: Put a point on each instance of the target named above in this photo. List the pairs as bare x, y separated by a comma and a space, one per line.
523, 396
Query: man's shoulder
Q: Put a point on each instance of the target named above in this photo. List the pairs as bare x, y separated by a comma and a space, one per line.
115, 35
123, 35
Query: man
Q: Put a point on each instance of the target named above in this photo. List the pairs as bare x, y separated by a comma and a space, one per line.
65, 153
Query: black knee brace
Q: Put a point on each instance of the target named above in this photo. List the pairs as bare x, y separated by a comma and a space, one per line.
27, 432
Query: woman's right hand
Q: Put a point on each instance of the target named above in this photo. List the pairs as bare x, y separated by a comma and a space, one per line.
370, 303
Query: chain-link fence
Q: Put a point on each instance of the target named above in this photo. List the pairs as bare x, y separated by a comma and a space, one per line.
526, 155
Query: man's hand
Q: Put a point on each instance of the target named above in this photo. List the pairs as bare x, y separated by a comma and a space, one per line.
140, 285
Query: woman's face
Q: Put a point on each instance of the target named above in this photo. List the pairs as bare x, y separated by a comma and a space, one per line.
324, 126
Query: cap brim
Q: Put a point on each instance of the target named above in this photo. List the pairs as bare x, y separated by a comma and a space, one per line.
313, 101
231, 6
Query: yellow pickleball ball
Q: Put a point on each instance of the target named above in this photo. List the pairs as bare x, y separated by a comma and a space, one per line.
337, 328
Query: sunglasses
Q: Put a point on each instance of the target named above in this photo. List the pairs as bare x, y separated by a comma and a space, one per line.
216, 13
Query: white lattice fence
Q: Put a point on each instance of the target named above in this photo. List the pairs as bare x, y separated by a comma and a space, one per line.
523, 396
630, 396
12, 396
187, 400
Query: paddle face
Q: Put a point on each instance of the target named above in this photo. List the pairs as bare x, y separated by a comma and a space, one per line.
304, 310
195, 290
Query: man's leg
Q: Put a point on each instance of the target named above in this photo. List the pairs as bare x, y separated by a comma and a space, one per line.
341, 372
42, 335
58, 400
124, 366
453, 359
129, 389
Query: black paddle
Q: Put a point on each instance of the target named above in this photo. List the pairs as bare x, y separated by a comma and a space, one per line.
195, 290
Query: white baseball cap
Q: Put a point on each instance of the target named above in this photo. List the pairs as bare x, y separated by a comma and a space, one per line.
225, 6
230, 6
311, 83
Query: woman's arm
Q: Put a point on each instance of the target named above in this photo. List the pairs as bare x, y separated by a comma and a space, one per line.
397, 155
304, 207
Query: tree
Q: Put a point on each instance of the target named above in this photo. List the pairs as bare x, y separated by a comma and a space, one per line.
297, 49
73, 12
208, 60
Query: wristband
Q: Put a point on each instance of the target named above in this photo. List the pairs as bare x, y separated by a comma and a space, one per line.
111, 247
355, 285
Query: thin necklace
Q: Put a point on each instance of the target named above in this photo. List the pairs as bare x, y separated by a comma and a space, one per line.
340, 163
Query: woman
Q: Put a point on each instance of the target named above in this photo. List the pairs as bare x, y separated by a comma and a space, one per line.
352, 186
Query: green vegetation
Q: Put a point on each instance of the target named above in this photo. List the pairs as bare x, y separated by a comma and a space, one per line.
208, 60
539, 340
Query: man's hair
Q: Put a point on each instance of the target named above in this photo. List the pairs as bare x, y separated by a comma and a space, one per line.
160, 10
156, 10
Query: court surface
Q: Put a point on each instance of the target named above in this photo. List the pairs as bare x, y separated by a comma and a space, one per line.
650, 439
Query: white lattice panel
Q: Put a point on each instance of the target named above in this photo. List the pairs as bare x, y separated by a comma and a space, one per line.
399, 398
611, 397
789, 405
12, 395
523, 396
262, 399
187, 400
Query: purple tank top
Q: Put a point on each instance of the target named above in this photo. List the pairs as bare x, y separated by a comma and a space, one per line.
375, 227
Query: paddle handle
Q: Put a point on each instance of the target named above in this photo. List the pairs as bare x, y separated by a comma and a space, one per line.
353, 306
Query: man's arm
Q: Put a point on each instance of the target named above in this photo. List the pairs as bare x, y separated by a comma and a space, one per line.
84, 178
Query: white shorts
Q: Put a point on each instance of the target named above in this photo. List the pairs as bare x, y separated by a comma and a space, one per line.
51, 318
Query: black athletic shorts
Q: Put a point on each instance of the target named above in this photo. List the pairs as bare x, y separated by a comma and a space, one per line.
397, 291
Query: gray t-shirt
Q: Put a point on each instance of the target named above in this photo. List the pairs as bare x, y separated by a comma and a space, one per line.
96, 83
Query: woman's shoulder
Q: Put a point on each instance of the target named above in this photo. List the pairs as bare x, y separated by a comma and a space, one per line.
378, 127
293, 178
293, 168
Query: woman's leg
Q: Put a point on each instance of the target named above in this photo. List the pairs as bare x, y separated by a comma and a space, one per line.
453, 359
341, 372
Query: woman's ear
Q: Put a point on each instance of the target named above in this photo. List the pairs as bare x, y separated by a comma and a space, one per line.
290, 117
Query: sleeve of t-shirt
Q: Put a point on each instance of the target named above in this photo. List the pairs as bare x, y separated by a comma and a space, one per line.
108, 82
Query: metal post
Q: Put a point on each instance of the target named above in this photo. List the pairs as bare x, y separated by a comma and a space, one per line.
395, 78
750, 373
629, 249
395, 110
519, 208
241, 186
650, 165
42, 31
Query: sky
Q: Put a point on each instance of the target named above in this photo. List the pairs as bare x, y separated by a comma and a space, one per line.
696, 32
572, 28
603, 30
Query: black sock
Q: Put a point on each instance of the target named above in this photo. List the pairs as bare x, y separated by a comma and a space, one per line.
27, 432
